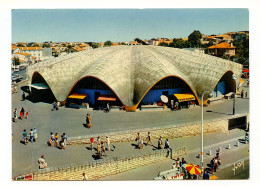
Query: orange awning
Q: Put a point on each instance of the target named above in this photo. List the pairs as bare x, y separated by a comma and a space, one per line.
106, 98
77, 96
184, 97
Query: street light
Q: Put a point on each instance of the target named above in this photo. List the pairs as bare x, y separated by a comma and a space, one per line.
234, 101
201, 154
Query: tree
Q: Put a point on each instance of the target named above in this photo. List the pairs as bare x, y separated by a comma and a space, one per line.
140, 41
180, 43
36, 45
16, 61
108, 43
46, 45
163, 44
194, 38
94, 45
20, 45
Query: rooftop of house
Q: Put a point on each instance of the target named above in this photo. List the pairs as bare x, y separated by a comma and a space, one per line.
30, 48
77, 48
222, 45
25, 54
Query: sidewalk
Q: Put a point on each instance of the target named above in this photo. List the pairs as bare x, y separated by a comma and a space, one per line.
228, 158
80, 154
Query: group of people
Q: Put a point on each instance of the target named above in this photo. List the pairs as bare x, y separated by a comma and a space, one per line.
101, 149
54, 140
23, 114
140, 141
214, 163
32, 136
175, 105
242, 94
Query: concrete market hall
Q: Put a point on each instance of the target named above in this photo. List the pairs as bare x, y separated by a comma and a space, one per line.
131, 75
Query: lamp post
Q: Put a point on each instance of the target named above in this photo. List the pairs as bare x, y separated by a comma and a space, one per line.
234, 101
201, 154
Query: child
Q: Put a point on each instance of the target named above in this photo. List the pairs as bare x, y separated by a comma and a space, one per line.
26, 115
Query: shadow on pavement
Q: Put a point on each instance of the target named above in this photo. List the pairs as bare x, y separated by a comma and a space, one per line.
218, 112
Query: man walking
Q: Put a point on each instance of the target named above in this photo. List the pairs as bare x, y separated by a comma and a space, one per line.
91, 143
25, 136
108, 143
35, 134
149, 138
42, 163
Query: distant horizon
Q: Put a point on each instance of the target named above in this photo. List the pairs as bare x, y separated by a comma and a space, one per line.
118, 41
120, 25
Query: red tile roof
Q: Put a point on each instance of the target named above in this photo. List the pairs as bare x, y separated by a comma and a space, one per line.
222, 45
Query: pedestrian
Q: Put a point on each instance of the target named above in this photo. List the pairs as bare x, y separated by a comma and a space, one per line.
177, 105
25, 136
218, 159
15, 115
160, 143
23, 96
62, 146
52, 139
212, 165
183, 161
85, 177
206, 175
31, 135
56, 139
138, 139
215, 164
88, 121
55, 106
247, 83
26, 115
167, 145
99, 150
22, 113
246, 95
98, 140
103, 149
91, 143
108, 143
172, 105
141, 144
177, 163
242, 94
246, 137
42, 163
35, 134
149, 138
65, 139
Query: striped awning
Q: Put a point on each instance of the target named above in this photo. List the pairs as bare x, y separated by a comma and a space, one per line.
77, 96
185, 97
106, 98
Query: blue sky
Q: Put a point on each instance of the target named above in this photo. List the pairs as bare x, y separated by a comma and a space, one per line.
100, 25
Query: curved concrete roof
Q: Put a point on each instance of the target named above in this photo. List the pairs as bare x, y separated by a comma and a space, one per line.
131, 71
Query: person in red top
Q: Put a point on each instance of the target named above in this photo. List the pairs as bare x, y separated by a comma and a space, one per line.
91, 143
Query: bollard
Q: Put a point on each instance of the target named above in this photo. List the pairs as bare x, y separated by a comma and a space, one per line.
209, 152
229, 146
237, 144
